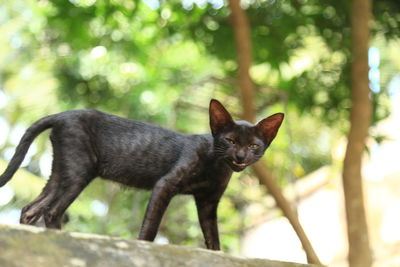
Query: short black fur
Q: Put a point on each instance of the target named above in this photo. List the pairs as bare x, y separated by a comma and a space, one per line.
89, 143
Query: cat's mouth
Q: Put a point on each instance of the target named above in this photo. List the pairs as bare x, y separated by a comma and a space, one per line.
237, 167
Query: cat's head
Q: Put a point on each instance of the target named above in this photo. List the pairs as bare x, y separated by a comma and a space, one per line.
241, 143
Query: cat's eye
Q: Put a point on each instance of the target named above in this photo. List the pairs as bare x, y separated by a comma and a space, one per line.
231, 141
253, 146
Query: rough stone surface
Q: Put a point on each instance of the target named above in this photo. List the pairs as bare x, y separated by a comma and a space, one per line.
28, 246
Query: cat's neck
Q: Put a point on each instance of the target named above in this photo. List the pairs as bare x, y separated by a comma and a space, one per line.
213, 158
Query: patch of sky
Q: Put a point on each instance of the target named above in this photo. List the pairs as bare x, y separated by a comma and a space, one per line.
153, 4
189, 4
10, 216
374, 74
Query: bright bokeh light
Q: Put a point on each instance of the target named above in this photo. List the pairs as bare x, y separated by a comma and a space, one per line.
98, 52
99, 208
45, 163
6, 194
147, 97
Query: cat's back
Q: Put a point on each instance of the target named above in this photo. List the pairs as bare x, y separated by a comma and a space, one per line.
110, 133
133, 152
132, 128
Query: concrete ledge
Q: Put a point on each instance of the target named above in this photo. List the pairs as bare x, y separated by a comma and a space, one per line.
27, 246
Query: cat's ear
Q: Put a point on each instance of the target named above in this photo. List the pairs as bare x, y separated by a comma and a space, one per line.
219, 117
270, 126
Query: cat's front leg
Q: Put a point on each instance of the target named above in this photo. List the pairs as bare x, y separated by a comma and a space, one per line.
162, 194
207, 212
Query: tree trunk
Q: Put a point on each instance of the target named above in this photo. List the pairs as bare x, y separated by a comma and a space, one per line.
241, 29
360, 119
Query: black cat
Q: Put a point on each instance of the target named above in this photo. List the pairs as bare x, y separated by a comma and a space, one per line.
89, 143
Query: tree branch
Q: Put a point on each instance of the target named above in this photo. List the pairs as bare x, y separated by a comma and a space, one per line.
241, 29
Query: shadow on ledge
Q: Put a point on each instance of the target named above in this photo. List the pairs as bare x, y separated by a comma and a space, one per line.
28, 246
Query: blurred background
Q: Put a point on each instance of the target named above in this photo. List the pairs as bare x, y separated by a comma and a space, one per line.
161, 62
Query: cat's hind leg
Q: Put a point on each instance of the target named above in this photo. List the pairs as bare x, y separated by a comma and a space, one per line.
31, 213
76, 171
53, 215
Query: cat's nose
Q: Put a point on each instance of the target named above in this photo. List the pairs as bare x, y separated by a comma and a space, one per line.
240, 156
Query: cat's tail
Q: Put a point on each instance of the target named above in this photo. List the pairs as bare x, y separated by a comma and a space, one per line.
23, 146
